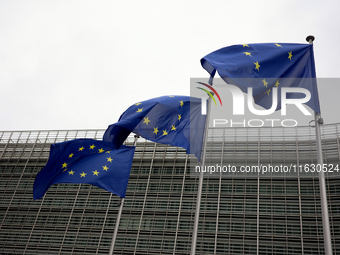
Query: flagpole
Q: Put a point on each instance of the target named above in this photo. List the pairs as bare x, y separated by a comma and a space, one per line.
200, 182
121, 203
322, 183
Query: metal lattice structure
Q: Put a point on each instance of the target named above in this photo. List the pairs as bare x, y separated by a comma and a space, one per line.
239, 214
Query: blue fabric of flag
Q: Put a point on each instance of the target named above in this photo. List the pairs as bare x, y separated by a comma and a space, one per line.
172, 120
86, 161
264, 66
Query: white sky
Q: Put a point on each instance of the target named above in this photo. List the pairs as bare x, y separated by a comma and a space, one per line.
80, 64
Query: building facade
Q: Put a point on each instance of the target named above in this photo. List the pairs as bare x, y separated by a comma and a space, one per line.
240, 214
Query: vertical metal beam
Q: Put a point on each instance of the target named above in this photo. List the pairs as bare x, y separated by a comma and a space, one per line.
299, 191
145, 196
105, 217
323, 193
200, 182
322, 182
219, 196
69, 220
180, 203
117, 226
119, 214
258, 199
80, 221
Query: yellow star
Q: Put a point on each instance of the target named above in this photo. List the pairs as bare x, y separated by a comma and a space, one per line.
247, 53
92, 147
173, 128
181, 103
81, 149
164, 132
71, 172
277, 83
71, 155
155, 130
138, 104
265, 83
139, 110
105, 168
95, 172
82, 174
65, 170
107, 151
171, 96
146, 120
109, 159
179, 117
245, 45
267, 92
64, 165
101, 150
257, 66
290, 55
278, 45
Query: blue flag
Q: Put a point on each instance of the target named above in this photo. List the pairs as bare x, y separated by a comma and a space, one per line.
86, 161
265, 66
173, 120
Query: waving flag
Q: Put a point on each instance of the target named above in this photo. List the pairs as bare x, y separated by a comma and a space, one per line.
173, 120
86, 161
266, 66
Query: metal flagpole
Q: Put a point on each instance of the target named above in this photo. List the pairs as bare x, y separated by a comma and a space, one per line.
322, 182
200, 182
121, 203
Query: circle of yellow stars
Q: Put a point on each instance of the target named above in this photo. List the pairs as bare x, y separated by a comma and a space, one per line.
257, 66
83, 174
156, 131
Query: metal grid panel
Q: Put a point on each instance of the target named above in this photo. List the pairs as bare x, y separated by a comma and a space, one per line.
238, 215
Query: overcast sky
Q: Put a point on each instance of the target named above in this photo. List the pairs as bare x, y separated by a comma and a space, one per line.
80, 64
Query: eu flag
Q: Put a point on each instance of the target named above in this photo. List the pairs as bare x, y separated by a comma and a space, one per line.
173, 120
265, 66
86, 161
